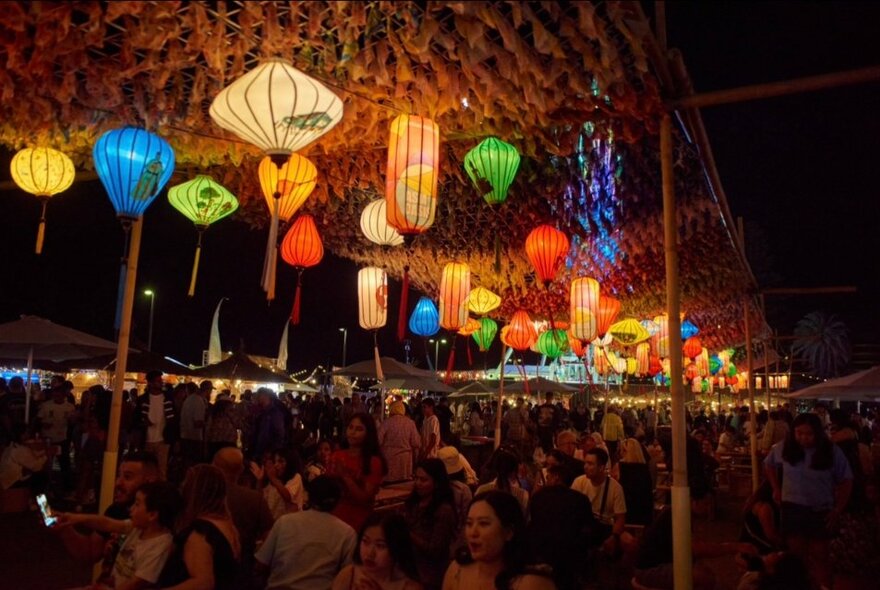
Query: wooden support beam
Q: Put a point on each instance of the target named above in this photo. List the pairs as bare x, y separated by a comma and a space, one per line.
809, 290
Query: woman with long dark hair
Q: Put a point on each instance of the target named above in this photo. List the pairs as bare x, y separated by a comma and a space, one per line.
496, 554
430, 514
383, 558
360, 467
281, 482
814, 491
505, 464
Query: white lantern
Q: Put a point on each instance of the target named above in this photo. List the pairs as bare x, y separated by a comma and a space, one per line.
584, 302
372, 298
374, 224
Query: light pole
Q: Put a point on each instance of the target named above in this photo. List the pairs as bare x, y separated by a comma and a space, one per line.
344, 344
152, 295
437, 344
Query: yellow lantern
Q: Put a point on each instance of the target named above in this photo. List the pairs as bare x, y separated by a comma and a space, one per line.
42, 172
662, 336
584, 305
412, 174
631, 366
455, 286
628, 332
372, 298
482, 301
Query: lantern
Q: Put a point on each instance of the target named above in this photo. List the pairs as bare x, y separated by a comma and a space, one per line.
486, 334
584, 303
688, 329
374, 225
601, 362
492, 166
285, 188
643, 358
632, 366
617, 363
661, 338
552, 343
470, 326
655, 366
520, 334
715, 364
412, 174
372, 298
609, 307
482, 301
42, 172
731, 370
203, 201
691, 371
628, 332
702, 361
692, 347
425, 320
277, 108
455, 285
546, 248
576, 346
651, 327
302, 248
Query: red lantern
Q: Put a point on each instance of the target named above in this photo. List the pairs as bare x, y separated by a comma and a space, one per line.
301, 248
520, 333
655, 366
546, 248
609, 307
692, 347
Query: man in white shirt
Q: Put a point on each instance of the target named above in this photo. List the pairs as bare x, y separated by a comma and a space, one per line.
605, 495
55, 416
430, 430
154, 410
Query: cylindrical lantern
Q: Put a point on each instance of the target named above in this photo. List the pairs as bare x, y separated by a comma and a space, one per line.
277, 108
520, 333
553, 343
412, 174
546, 248
661, 338
692, 347
482, 301
372, 298
492, 166
203, 201
42, 172
302, 248
455, 286
374, 225
609, 307
601, 362
703, 362
643, 358
425, 320
628, 332
486, 334
584, 303
133, 165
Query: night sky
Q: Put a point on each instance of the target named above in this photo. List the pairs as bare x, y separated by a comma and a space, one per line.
800, 170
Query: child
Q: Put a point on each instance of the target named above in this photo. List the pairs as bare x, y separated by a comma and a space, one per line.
148, 538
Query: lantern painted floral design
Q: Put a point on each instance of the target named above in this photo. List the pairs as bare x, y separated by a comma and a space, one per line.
412, 174
302, 248
425, 320
42, 172
482, 301
374, 225
546, 248
486, 334
372, 298
455, 286
492, 166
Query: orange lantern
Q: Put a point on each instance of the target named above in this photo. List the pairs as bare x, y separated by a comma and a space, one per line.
601, 362
520, 333
576, 345
609, 307
692, 347
660, 340
455, 286
691, 371
655, 366
301, 249
584, 303
546, 248
412, 174
470, 327
643, 358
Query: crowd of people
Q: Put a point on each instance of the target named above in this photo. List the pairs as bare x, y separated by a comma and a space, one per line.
281, 492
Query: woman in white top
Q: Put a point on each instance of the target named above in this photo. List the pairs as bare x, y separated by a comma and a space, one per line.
282, 482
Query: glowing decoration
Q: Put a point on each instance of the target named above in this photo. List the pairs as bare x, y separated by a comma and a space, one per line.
576, 346
609, 307
688, 329
374, 225
691, 371
651, 327
655, 367
492, 166
643, 358
692, 347
455, 286
546, 248
372, 298
277, 108
584, 303
715, 364
42, 172
482, 301
601, 362
486, 334
731, 371
617, 363
628, 332
302, 248
425, 320
133, 165
203, 201
470, 326
520, 333
412, 174
553, 343
632, 366
661, 339
702, 361
602, 342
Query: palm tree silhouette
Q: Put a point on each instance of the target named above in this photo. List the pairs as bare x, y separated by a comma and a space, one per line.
822, 341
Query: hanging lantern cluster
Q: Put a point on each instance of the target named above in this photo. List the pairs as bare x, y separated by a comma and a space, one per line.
374, 225
203, 201
492, 166
546, 248
42, 172
455, 286
302, 248
425, 320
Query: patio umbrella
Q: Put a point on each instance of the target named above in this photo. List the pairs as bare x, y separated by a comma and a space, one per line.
32, 338
539, 385
241, 366
414, 383
391, 368
475, 389
300, 387
863, 386
138, 362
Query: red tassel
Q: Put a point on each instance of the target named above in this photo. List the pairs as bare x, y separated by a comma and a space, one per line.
294, 315
404, 297
450, 363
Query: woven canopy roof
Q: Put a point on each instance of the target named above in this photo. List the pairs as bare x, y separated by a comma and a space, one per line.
568, 83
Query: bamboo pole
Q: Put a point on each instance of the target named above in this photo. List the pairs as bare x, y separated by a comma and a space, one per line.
681, 495
753, 421
500, 397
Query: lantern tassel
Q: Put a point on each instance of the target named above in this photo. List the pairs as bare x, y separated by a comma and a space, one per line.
294, 315
428, 355
195, 270
270, 261
41, 229
450, 363
522, 369
404, 303
379, 374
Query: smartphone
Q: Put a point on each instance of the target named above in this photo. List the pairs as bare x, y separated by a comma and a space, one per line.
46, 510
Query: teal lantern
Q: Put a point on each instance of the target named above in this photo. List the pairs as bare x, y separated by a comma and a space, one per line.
492, 166
715, 364
425, 319
486, 334
552, 343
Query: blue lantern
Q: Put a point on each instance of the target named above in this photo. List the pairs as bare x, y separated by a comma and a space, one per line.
715, 364
688, 329
425, 319
133, 165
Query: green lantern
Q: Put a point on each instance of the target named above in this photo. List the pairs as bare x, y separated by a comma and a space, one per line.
203, 201
731, 370
486, 334
552, 343
492, 166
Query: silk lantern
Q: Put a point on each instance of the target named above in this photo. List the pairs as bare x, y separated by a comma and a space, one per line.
520, 334
425, 320
486, 334
715, 364
584, 303
655, 366
552, 343
703, 362
651, 327
42, 172
302, 248
692, 347
628, 332
203, 201
632, 366
372, 298
482, 301
374, 225
546, 248
602, 341
576, 346
455, 286
643, 358
412, 174
688, 329
469, 327
609, 307
601, 362
492, 166
661, 338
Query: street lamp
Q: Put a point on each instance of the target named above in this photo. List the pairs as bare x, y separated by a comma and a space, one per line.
152, 295
344, 343
437, 344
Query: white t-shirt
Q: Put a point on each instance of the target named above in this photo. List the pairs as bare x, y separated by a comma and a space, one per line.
157, 417
54, 418
431, 424
141, 558
277, 506
305, 550
614, 504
